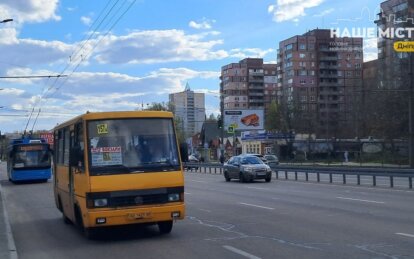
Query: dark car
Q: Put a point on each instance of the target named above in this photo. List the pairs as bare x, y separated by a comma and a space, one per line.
272, 161
247, 168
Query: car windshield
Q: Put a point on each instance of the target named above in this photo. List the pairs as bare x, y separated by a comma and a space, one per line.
270, 158
132, 145
251, 160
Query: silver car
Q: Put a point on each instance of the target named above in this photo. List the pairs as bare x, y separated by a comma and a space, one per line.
247, 168
272, 161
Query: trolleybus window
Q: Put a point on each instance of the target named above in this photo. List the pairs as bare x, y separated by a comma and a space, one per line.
31, 156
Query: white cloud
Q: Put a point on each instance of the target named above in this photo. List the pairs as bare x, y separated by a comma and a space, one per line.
30, 10
99, 91
370, 49
8, 36
25, 52
324, 12
71, 9
251, 52
86, 20
201, 25
158, 46
291, 10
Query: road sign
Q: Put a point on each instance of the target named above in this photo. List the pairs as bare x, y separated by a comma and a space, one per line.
230, 129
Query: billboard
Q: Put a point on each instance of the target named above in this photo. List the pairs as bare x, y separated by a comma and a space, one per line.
48, 137
244, 119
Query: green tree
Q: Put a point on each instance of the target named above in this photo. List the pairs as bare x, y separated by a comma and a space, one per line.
158, 107
212, 117
178, 124
179, 129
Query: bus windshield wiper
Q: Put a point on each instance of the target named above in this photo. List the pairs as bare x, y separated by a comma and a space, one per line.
107, 169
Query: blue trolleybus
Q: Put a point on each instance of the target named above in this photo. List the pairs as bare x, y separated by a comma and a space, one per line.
29, 160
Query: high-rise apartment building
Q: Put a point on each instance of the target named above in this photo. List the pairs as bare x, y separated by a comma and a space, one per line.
248, 84
320, 78
395, 15
190, 108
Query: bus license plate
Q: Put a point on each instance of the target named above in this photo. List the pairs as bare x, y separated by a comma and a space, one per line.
140, 215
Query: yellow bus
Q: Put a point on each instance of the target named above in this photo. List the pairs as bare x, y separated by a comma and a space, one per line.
118, 168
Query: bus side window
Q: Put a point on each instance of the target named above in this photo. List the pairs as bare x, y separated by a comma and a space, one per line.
79, 146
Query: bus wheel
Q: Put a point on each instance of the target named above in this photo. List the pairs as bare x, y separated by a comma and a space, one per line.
65, 219
89, 233
165, 227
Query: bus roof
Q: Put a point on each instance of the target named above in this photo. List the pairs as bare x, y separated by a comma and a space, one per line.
116, 115
27, 140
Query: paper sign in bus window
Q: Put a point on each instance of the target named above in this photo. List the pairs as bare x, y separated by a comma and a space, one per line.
104, 156
102, 128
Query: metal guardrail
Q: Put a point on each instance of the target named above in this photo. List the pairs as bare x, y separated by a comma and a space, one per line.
391, 173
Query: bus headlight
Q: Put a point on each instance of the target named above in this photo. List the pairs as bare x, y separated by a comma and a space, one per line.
173, 197
100, 203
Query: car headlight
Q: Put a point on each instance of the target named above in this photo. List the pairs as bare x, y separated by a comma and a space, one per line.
173, 197
268, 169
100, 202
248, 169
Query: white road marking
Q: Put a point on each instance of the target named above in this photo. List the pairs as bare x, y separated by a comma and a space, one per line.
257, 206
241, 252
258, 188
196, 181
404, 234
351, 199
187, 193
205, 210
275, 198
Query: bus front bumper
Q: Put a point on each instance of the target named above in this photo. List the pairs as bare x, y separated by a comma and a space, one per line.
114, 217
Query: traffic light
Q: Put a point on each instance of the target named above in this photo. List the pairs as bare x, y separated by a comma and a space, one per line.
220, 123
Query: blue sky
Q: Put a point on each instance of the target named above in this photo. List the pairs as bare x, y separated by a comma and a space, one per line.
154, 49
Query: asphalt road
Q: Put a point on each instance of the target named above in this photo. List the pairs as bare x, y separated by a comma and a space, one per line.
281, 219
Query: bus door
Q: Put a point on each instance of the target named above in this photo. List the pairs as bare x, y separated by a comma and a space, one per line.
71, 171
76, 165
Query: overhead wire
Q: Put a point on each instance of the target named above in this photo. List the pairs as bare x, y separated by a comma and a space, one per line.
96, 45
82, 45
47, 94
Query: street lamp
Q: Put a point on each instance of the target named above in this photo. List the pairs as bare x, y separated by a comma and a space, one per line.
6, 20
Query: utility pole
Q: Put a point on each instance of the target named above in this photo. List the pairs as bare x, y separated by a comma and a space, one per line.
411, 112
222, 124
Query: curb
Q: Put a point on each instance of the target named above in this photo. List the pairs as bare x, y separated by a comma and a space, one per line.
9, 233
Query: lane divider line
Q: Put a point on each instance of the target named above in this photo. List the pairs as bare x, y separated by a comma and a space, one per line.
257, 206
241, 252
258, 188
404, 234
352, 199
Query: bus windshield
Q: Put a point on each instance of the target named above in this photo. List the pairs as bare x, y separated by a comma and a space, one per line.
132, 146
25, 159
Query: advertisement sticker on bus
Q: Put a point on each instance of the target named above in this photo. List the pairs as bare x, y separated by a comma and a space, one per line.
103, 156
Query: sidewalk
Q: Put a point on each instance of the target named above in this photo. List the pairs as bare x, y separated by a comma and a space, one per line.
7, 247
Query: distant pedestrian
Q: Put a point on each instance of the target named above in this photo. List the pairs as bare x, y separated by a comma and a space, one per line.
346, 156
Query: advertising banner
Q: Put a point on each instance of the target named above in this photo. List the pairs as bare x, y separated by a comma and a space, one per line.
244, 119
